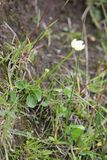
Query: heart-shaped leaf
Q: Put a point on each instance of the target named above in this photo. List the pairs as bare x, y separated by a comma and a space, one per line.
21, 84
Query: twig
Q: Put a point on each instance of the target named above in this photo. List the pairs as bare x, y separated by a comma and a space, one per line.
13, 32
86, 43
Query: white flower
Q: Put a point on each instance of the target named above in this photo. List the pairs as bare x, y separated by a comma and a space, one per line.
78, 45
46, 70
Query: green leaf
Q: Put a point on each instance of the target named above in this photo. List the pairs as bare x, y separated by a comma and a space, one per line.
81, 127
67, 92
2, 100
21, 84
63, 111
13, 97
96, 87
76, 131
3, 112
59, 90
45, 103
38, 93
52, 139
31, 100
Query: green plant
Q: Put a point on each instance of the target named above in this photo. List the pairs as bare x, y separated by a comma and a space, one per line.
63, 119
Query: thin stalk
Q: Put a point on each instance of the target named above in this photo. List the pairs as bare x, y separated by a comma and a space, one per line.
55, 68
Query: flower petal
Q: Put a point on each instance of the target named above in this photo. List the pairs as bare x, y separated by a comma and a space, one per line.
78, 45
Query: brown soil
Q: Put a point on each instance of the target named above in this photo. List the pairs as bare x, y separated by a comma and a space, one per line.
20, 15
